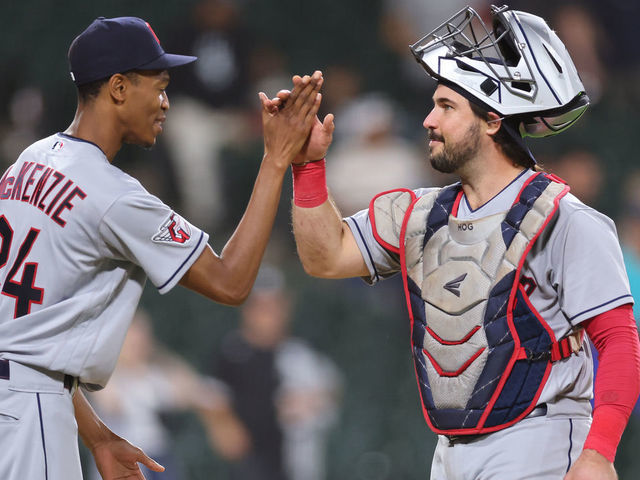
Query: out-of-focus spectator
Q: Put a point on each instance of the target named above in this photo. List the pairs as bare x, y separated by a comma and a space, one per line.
629, 227
268, 70
208, 100
284, 394
147, 383
268, 73
343, 84
402, 23
26, 108
371, 157
616, 21
583, 171
307, 402
585, 41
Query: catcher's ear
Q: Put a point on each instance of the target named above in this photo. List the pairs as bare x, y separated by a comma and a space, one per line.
494, 123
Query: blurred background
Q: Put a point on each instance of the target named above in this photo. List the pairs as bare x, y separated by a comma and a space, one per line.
311, 379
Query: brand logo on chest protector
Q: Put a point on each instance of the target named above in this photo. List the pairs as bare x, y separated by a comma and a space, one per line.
454, 285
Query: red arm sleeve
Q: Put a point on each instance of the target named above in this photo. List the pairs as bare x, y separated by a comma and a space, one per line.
617, 385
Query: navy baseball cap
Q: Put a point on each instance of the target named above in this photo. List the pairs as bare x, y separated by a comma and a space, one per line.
117, 45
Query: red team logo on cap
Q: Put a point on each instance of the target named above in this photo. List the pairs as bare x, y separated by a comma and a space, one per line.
175, 229
154, 33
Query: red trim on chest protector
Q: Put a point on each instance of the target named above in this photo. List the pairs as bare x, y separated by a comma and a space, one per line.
512, 329
511, 302
372, 217
456, 203
464, 339
447, 373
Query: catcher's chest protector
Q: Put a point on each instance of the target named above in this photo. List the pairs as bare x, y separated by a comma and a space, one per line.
482, 352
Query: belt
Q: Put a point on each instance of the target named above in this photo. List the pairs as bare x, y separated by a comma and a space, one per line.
538, 411
5, 374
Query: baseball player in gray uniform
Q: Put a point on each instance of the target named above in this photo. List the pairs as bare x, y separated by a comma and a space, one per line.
506, 274
78, 237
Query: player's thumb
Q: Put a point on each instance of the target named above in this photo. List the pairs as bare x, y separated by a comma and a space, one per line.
264, 102
150, 463
328, 124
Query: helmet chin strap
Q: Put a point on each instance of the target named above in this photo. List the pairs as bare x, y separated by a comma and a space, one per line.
496, 120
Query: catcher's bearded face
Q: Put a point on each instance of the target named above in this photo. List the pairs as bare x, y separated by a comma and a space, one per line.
453, 129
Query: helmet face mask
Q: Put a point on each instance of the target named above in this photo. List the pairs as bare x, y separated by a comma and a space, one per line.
518, 67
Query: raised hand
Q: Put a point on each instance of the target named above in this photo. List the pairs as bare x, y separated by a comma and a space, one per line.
287, 126
320, 138
318, 142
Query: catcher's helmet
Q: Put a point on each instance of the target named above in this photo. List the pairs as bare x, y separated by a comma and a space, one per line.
519, 68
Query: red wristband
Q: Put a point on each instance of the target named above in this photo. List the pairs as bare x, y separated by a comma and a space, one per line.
309, 184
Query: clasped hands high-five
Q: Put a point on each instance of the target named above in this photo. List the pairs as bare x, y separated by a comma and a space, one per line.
290, 121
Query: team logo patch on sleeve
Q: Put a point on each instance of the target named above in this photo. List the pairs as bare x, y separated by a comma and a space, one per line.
175, 229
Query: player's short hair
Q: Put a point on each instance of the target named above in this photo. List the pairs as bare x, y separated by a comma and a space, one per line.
504, 140
88, 92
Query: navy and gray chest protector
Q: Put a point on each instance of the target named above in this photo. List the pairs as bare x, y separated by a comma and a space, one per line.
482, 352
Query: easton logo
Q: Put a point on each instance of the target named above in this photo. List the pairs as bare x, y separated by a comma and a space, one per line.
454, 285
174, 229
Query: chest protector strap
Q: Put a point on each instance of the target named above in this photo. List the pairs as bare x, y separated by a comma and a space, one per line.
482, 352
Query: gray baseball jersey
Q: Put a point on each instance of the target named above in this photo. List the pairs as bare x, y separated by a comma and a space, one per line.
78, 239
575, 271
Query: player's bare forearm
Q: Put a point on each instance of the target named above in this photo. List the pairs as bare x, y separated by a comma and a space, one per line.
228, 278
325, 244
90, 427
114, 456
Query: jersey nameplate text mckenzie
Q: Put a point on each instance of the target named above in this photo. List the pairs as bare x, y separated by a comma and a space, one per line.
42, 187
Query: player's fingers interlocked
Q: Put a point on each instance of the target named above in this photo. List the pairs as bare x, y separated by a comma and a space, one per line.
287, 128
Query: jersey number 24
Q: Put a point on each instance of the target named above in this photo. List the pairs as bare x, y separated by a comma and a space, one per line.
24, 292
